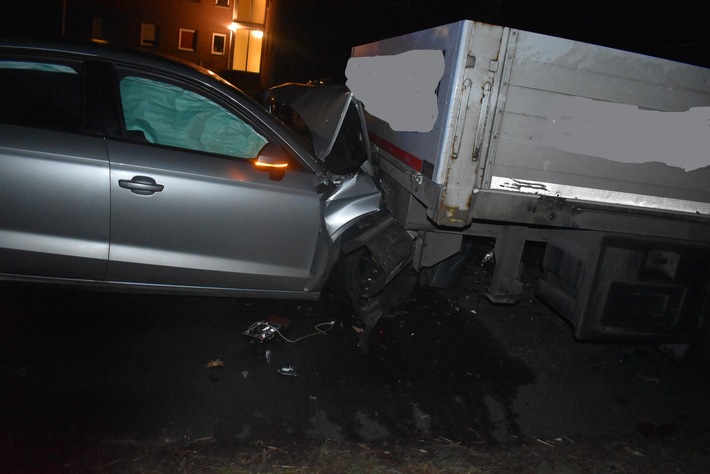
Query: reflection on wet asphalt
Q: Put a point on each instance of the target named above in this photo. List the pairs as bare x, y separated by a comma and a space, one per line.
445, 363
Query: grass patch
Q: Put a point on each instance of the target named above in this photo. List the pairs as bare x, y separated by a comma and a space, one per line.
434, 456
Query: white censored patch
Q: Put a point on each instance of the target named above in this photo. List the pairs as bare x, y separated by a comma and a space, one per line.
399, 89
628, 134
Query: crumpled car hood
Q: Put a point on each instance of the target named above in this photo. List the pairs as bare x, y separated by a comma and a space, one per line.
323, 110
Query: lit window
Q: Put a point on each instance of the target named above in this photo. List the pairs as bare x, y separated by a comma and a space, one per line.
249, 40
251, 11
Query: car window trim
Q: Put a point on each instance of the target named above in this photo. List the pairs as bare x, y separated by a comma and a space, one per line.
51, 57
121, 71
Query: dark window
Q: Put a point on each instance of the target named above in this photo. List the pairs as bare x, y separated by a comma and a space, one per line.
40, 94
294, 122
350, 147
150, 34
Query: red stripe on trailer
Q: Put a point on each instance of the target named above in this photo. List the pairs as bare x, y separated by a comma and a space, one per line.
403, 156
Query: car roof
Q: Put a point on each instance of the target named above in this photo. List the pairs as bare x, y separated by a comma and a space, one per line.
145, 60
112, 53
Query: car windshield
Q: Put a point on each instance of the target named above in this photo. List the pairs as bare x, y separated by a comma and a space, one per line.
326, 121
295, 123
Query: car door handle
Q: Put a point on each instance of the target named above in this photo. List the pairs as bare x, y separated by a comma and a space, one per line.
143, 185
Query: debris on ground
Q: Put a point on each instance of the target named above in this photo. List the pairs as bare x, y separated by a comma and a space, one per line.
288, 371
216, 363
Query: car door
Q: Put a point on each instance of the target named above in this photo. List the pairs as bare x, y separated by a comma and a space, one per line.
54, 175
188, 206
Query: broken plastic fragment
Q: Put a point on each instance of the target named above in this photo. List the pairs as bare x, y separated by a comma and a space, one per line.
287, 370
488, 257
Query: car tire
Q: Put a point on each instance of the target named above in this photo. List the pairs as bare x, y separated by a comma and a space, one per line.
360, 269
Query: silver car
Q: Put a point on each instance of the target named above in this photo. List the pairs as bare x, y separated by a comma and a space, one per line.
129, 170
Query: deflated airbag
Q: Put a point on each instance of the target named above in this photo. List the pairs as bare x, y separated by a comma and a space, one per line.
168, 115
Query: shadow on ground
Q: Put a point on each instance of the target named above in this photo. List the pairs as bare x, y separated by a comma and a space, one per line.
91, 375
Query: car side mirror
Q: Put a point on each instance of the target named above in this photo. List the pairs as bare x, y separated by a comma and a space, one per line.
274, 160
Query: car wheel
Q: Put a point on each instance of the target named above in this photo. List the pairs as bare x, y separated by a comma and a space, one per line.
360, 272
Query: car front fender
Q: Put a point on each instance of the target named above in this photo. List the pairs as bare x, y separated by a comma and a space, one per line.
355, 197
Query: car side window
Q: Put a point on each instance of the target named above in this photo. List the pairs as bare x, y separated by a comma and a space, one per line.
41, 94
164, 114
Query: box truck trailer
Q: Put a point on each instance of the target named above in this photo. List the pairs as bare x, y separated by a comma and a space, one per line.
601, 155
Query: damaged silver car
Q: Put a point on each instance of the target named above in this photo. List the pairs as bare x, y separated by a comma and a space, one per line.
131, 171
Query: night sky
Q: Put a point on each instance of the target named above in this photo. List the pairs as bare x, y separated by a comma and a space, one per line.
327, 29
318, 34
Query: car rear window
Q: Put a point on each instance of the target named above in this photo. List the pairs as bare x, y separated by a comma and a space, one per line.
168, 115
40, 94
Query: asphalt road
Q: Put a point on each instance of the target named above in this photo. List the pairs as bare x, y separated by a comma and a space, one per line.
84, 366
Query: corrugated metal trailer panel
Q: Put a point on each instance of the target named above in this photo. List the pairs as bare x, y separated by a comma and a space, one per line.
441, 180
524, 114
597, 124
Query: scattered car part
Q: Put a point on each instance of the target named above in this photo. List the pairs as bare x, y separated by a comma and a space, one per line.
288, 371
261, 331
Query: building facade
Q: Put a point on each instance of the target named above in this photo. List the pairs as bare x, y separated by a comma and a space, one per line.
226, 36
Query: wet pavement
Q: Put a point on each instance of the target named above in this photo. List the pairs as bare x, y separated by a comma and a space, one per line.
85, 366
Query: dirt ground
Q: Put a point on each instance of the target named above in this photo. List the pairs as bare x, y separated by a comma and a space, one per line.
101, 382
